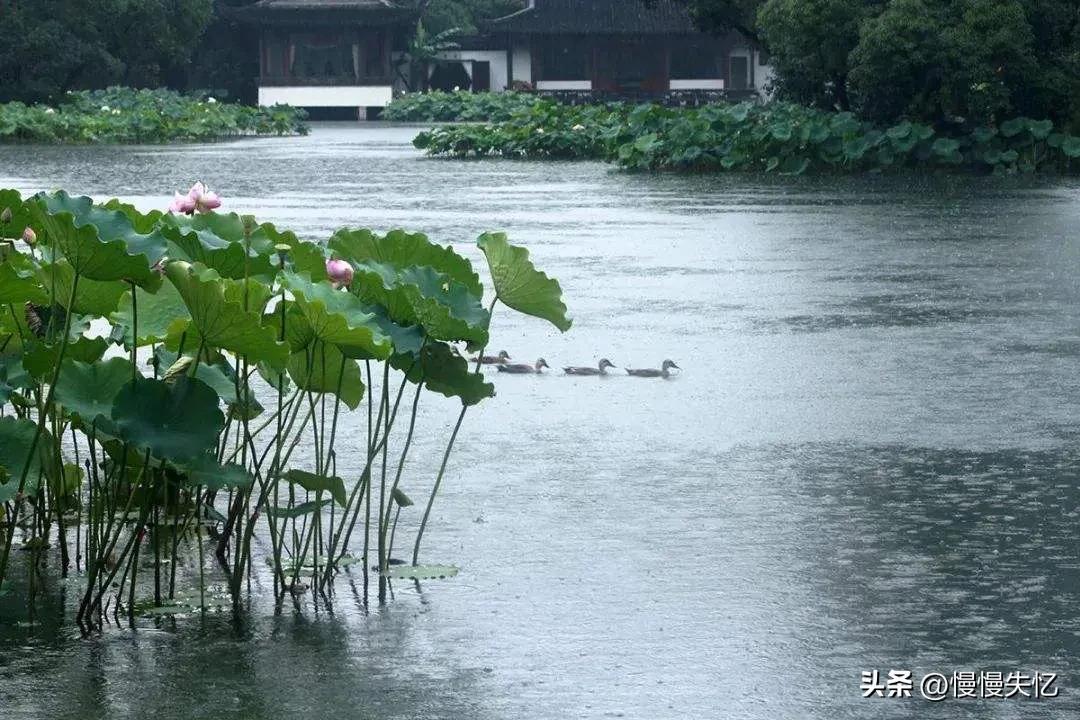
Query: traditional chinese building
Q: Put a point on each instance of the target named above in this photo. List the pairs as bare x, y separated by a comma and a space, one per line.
623, 46
346, 53
328, 53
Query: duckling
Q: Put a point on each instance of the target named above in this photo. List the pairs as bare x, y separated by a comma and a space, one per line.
663, 372
602, 370
524, 369
499, 359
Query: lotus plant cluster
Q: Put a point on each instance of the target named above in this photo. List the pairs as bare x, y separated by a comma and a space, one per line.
125, 115
776, 137
175, 388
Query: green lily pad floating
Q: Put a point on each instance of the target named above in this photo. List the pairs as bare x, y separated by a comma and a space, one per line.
519, 285
421, 572
174, 422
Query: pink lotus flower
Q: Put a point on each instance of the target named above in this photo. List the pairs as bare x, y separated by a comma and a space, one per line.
182, 205
205, 200
198, 199
30, 238
339, 272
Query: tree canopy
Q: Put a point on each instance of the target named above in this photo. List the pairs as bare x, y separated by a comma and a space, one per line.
959, 62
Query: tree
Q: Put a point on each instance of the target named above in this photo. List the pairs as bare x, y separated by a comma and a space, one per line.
810, 41
968, 62
52, 46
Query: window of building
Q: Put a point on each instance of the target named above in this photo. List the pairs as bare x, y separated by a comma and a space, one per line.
563, 59
696, 60
322, 55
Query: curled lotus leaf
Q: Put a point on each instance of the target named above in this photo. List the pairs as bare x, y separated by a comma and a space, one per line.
16, 439
177, 421
443, 371
228, 258
99, 244
98, 298
337, 317
218, 321
318, 483
402, 250
19, 282
519, 285
88, 390
321, 368
156, 313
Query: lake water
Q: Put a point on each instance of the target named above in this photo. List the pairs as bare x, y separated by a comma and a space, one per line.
869, 460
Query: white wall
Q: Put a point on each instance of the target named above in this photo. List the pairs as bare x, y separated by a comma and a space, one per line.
522, 63
327, 96
763, 75
497, 58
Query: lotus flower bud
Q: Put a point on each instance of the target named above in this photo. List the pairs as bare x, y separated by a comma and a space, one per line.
29, 237
339, 272
5, 217
182, 205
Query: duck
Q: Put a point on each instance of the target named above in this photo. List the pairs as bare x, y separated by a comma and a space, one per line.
601, 370
499, 359
663, 372
524, 369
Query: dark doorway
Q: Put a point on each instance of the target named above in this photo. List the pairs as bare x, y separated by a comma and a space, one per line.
740, 72
450, 76
481, 76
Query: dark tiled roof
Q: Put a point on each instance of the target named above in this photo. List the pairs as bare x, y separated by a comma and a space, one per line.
326, 12
598, 17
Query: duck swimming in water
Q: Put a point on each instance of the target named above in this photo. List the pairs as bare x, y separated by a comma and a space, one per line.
499, 359
602, 370
663, 372
524, 369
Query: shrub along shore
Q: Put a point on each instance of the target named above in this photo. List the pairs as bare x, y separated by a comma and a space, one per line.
773, 137
125, 115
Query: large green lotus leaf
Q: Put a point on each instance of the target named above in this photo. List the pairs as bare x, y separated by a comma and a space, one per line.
100, 244
93, 297
19, 283
206, 471
40, 358
253, 294
519, 285
319, 369
88, 390
157, 311
217, 321
445, 309
444, 372
318, 483
337, 317
215, 372
403, 250
142, 222
175, 422
407, 339
16, 437
227, 257
20, 214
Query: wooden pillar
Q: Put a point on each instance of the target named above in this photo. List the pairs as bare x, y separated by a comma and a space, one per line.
509, 63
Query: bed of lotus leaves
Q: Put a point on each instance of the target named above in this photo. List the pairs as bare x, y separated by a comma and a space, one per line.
125, 115
775, 137
460, 106
199, 365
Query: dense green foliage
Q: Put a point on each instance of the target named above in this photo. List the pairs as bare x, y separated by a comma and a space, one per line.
959, 63
438, 106
51, 46
259, 344
777, 137
123, 115
467, 16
